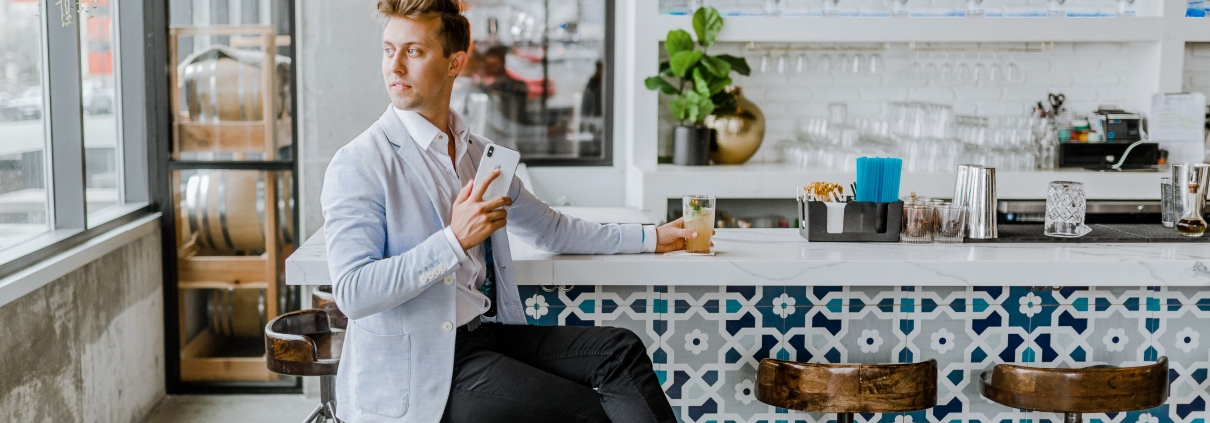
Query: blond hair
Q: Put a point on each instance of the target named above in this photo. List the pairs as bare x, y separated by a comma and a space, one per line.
455, 30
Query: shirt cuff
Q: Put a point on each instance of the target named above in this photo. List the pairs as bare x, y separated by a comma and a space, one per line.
649, 239
454, 244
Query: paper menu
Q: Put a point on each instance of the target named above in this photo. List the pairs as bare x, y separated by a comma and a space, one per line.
1177, 123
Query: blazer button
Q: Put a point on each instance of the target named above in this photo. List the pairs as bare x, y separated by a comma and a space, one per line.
449, 280
447, 326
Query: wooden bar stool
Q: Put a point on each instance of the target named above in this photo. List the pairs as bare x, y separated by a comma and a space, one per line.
1096, 389
303, 343
846, 389
322, 299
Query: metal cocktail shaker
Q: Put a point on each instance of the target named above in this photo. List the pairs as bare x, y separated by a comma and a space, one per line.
962, 185
981, 199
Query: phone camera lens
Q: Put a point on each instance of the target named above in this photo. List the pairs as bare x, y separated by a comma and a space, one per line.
490, 150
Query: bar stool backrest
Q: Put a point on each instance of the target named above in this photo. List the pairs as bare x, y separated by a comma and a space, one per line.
301, 343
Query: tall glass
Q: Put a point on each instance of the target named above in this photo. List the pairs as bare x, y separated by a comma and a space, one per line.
951, 223
699, 217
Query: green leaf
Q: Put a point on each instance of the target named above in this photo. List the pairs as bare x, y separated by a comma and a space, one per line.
699, 82
719, 84
678, 40
666, 69
678, 106
707, 23
696, 107
738, 64
716, 66
655, 83
681, 62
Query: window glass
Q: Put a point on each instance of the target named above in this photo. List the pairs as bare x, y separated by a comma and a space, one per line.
23, 193
99, 95
536, 78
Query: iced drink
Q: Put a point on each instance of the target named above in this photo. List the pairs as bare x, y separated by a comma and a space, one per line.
699, 217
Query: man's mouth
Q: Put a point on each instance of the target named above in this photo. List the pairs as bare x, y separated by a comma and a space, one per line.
399, 86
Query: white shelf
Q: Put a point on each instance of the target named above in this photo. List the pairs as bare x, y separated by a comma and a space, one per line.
1196, 30
973, 29
781, 180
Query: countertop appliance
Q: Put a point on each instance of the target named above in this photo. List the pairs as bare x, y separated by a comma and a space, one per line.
1103, 155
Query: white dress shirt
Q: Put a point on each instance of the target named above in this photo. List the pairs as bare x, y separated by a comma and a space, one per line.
450, 178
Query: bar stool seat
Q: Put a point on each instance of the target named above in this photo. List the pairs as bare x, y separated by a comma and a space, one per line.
846, 389
303, 343
1096, 389
322, 299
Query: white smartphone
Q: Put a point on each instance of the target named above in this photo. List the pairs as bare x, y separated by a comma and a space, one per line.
497, 157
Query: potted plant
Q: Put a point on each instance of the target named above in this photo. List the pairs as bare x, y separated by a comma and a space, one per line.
697, 81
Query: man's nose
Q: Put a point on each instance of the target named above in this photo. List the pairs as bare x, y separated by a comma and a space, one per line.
398, 67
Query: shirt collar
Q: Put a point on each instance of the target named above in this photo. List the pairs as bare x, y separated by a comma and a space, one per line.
424, 132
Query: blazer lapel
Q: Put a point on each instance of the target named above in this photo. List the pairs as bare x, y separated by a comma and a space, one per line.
410, 152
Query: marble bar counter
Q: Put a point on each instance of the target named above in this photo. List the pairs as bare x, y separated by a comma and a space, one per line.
758, 257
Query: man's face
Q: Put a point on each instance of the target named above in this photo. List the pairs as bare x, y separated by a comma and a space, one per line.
414, 68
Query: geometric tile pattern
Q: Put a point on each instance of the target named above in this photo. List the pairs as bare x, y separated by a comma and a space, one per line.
706, 341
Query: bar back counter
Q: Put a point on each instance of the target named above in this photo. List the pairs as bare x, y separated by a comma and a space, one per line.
709, 320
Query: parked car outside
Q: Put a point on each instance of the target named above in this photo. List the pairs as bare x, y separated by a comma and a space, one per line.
29, 104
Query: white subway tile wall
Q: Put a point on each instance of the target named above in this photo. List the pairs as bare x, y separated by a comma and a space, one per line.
1088, 74
1197, 68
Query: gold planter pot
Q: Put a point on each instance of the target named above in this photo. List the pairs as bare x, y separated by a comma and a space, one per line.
740, 133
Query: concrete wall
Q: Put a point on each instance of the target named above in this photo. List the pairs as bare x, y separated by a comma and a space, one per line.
341, 93
88, 347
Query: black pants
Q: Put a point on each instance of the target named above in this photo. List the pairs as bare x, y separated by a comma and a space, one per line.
514, 373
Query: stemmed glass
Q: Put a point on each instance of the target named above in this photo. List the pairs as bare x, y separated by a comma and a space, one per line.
781, 63
875, 63
801, 64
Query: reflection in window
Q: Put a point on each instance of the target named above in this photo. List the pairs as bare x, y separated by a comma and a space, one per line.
535, 81
23, 194
99, 90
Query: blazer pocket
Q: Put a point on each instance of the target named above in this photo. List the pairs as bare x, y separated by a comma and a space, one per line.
381, 377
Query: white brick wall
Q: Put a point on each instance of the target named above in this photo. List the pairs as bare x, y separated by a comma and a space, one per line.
1197, 68
1089, 74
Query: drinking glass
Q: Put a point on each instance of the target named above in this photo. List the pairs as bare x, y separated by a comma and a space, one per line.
951, 223
801, 64
1065, 207
773, 7
917, 223
842, 64
781, 63
875, 63
698, 217
824, 64
855, 64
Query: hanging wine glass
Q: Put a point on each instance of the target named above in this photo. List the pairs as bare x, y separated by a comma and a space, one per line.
781, 63
824, 64
875, 63
801, 63
842, 64
764, 63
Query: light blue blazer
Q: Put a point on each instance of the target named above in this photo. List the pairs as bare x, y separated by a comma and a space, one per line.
389, 263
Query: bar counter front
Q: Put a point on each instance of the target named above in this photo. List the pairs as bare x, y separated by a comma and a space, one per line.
767, 293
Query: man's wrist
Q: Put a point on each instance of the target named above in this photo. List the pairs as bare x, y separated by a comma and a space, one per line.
650, 238
455, 244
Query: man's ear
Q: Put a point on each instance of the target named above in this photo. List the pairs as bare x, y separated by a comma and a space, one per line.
458, 60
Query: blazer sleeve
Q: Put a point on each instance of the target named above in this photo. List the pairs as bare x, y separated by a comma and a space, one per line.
365, 281
541, 226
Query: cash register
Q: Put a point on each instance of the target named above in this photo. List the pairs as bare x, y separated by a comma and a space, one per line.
1122, 137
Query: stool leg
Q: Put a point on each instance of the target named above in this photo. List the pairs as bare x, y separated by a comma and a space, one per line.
315, 414
844, 417
1073, 418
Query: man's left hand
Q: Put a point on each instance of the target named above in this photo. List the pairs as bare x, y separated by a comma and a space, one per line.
672, 236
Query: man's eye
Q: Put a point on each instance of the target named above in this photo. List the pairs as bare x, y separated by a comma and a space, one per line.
389, 51
413, 52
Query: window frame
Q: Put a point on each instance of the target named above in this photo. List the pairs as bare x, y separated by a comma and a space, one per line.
607, 140
63, 158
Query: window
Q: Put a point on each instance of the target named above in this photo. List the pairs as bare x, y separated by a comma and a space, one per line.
539, 79
23, 193
73, 151
99, 101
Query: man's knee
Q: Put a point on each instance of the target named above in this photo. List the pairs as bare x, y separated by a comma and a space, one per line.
624, 340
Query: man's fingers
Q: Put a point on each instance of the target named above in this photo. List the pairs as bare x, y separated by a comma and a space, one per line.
477, 194
497, 224
497, 203
465, 192
497, 214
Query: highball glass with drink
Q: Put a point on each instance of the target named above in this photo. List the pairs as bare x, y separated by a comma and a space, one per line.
698, 217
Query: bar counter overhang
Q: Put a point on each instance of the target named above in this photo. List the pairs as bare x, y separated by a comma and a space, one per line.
767, 293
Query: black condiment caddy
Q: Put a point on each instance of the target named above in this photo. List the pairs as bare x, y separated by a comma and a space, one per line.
863, 222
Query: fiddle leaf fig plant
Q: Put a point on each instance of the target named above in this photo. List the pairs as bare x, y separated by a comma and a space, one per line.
696, 80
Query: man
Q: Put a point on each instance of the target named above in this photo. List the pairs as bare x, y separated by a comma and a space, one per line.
423, 271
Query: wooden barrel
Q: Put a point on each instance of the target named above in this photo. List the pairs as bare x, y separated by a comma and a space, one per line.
218, 86
238, 313
225, 208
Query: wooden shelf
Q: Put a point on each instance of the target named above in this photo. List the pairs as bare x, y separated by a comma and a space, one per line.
225, 269
201, 362
227, 137
960, 30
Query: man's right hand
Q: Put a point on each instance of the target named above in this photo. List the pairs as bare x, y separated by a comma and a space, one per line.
474, 219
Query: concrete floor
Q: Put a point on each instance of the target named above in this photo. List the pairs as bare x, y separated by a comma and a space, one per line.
232, 408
